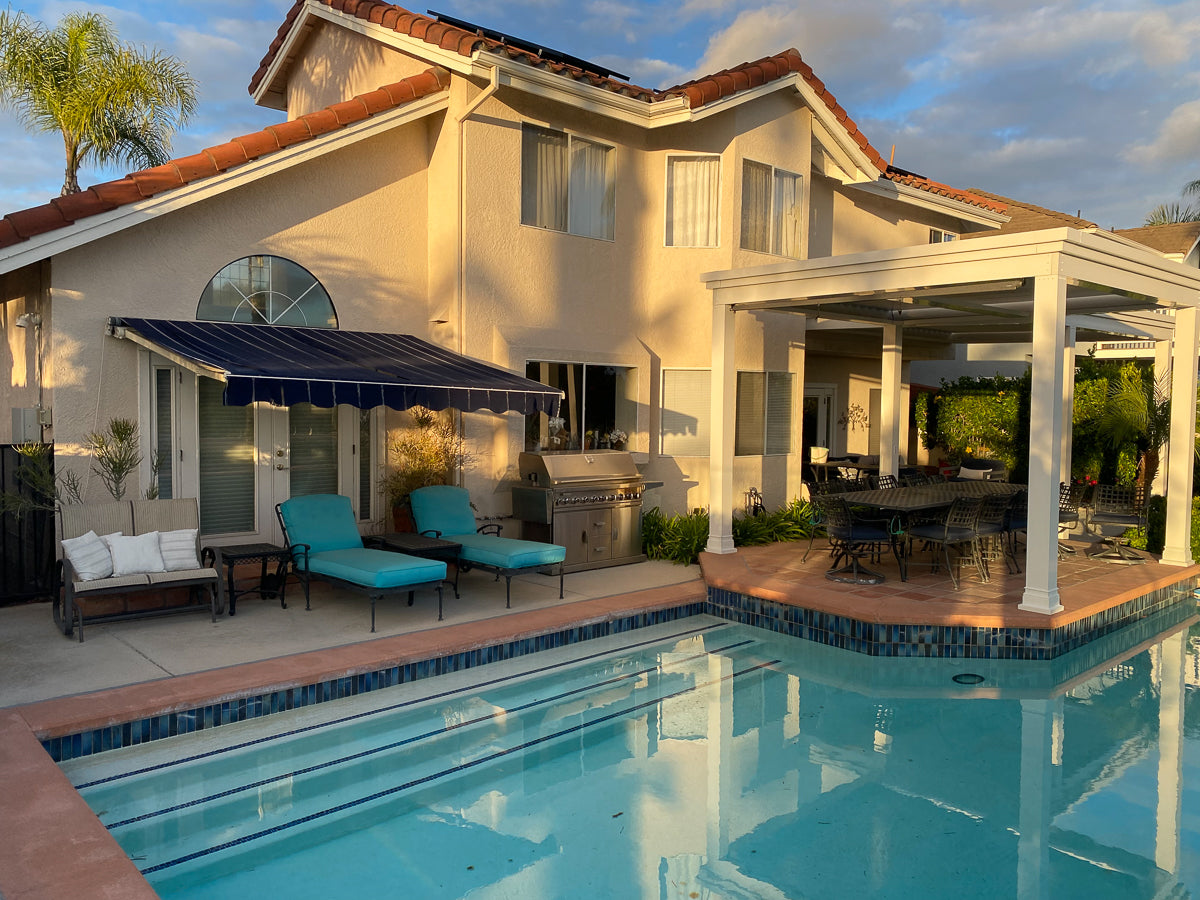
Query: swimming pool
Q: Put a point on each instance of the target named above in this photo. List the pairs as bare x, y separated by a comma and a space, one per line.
698, 758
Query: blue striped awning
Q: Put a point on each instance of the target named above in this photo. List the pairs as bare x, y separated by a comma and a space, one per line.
325, 367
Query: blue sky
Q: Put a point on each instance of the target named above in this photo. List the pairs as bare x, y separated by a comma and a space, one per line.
1077, 105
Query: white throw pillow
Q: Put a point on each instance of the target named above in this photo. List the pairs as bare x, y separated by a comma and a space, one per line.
136, 554
974, 474
89, 556
179, 549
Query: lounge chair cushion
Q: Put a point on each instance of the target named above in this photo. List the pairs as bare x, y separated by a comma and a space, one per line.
444, 508
375, 568
323, 521
506, 553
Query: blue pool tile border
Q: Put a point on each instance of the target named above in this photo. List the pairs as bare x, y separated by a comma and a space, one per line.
843, 632
202, 718
945, 641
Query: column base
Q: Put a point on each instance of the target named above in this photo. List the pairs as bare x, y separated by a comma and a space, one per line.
720, 544
1044, 602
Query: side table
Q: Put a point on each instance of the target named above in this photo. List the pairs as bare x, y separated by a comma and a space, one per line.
235, 554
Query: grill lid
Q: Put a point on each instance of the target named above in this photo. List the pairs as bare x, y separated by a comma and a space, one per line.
565, 469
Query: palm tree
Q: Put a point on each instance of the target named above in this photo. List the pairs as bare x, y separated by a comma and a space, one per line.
112, 102
1139, 409
1172, 214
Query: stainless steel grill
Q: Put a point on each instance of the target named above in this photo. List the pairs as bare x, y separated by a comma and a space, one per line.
590, 503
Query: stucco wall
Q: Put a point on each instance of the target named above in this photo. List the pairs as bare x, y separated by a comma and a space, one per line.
361, 235
335, 64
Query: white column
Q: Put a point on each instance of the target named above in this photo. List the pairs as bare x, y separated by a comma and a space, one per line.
1172, 665
1162, 375
1178, 548
889, 401
796, 364
1045, 443
723, 408
1064, 474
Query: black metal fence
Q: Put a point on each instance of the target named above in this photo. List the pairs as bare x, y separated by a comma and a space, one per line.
26, 541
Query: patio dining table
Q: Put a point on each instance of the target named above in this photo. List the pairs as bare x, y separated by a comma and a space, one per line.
926, 497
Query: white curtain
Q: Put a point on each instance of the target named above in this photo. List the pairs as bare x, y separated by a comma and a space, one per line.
593, 184
756, 207
692, 189
543, 178
787, 215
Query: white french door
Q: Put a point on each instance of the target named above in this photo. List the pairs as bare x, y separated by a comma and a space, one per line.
249, 458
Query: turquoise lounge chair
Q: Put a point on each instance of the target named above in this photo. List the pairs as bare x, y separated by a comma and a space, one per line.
444, 511
321, 533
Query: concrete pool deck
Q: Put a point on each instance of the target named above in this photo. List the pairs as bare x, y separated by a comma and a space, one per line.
59, 849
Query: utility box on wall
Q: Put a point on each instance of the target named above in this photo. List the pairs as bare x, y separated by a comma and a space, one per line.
25, 426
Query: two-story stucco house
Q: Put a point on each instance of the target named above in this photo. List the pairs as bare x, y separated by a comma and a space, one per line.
513, 206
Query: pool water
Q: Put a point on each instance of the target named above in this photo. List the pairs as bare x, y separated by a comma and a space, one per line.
695, 759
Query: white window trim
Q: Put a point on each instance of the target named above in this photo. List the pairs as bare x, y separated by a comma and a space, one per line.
571, 136
666, 194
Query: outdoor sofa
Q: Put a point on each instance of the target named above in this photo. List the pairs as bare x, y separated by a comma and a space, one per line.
129, 547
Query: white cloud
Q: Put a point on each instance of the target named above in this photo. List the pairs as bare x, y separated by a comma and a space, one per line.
1177, 139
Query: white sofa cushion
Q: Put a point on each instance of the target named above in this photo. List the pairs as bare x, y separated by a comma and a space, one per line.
179, 549
135, 554
89, 556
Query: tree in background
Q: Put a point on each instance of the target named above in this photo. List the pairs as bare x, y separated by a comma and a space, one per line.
1139, 411
1173, 213
111, 102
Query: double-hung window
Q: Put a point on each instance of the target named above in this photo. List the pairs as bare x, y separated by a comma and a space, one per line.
764, 414
937, 236
770, 210
693, 188
568, 183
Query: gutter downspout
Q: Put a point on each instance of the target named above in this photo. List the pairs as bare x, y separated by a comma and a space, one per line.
461, 267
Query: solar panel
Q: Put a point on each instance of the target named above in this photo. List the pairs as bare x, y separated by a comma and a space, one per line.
539, 50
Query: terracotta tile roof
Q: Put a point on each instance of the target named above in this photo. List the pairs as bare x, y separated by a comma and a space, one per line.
972, 197
62, 211
697, 93
769, 68
1180, 237
444, 36
1027, 217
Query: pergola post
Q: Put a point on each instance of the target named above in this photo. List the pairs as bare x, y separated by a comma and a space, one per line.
1068, 407
1177, 550
1045, 442
1162, 375
889, 401
723, 407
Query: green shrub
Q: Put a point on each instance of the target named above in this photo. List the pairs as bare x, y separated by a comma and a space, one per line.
1154, 538
682, 537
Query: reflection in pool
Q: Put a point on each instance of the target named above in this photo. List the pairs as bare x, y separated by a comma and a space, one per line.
696, 759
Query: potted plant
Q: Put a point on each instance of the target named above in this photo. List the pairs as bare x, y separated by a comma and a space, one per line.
427, 452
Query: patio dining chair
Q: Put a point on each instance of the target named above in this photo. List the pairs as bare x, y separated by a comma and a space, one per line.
883, 482
957, 530
1016, 520
322, 534
852, 538
992, 531
444, 511
1070, 497
1121, 507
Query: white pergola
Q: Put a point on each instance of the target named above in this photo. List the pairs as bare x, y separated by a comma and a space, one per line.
1049, 288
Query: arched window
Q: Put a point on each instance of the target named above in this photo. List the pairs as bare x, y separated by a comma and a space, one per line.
266, 290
